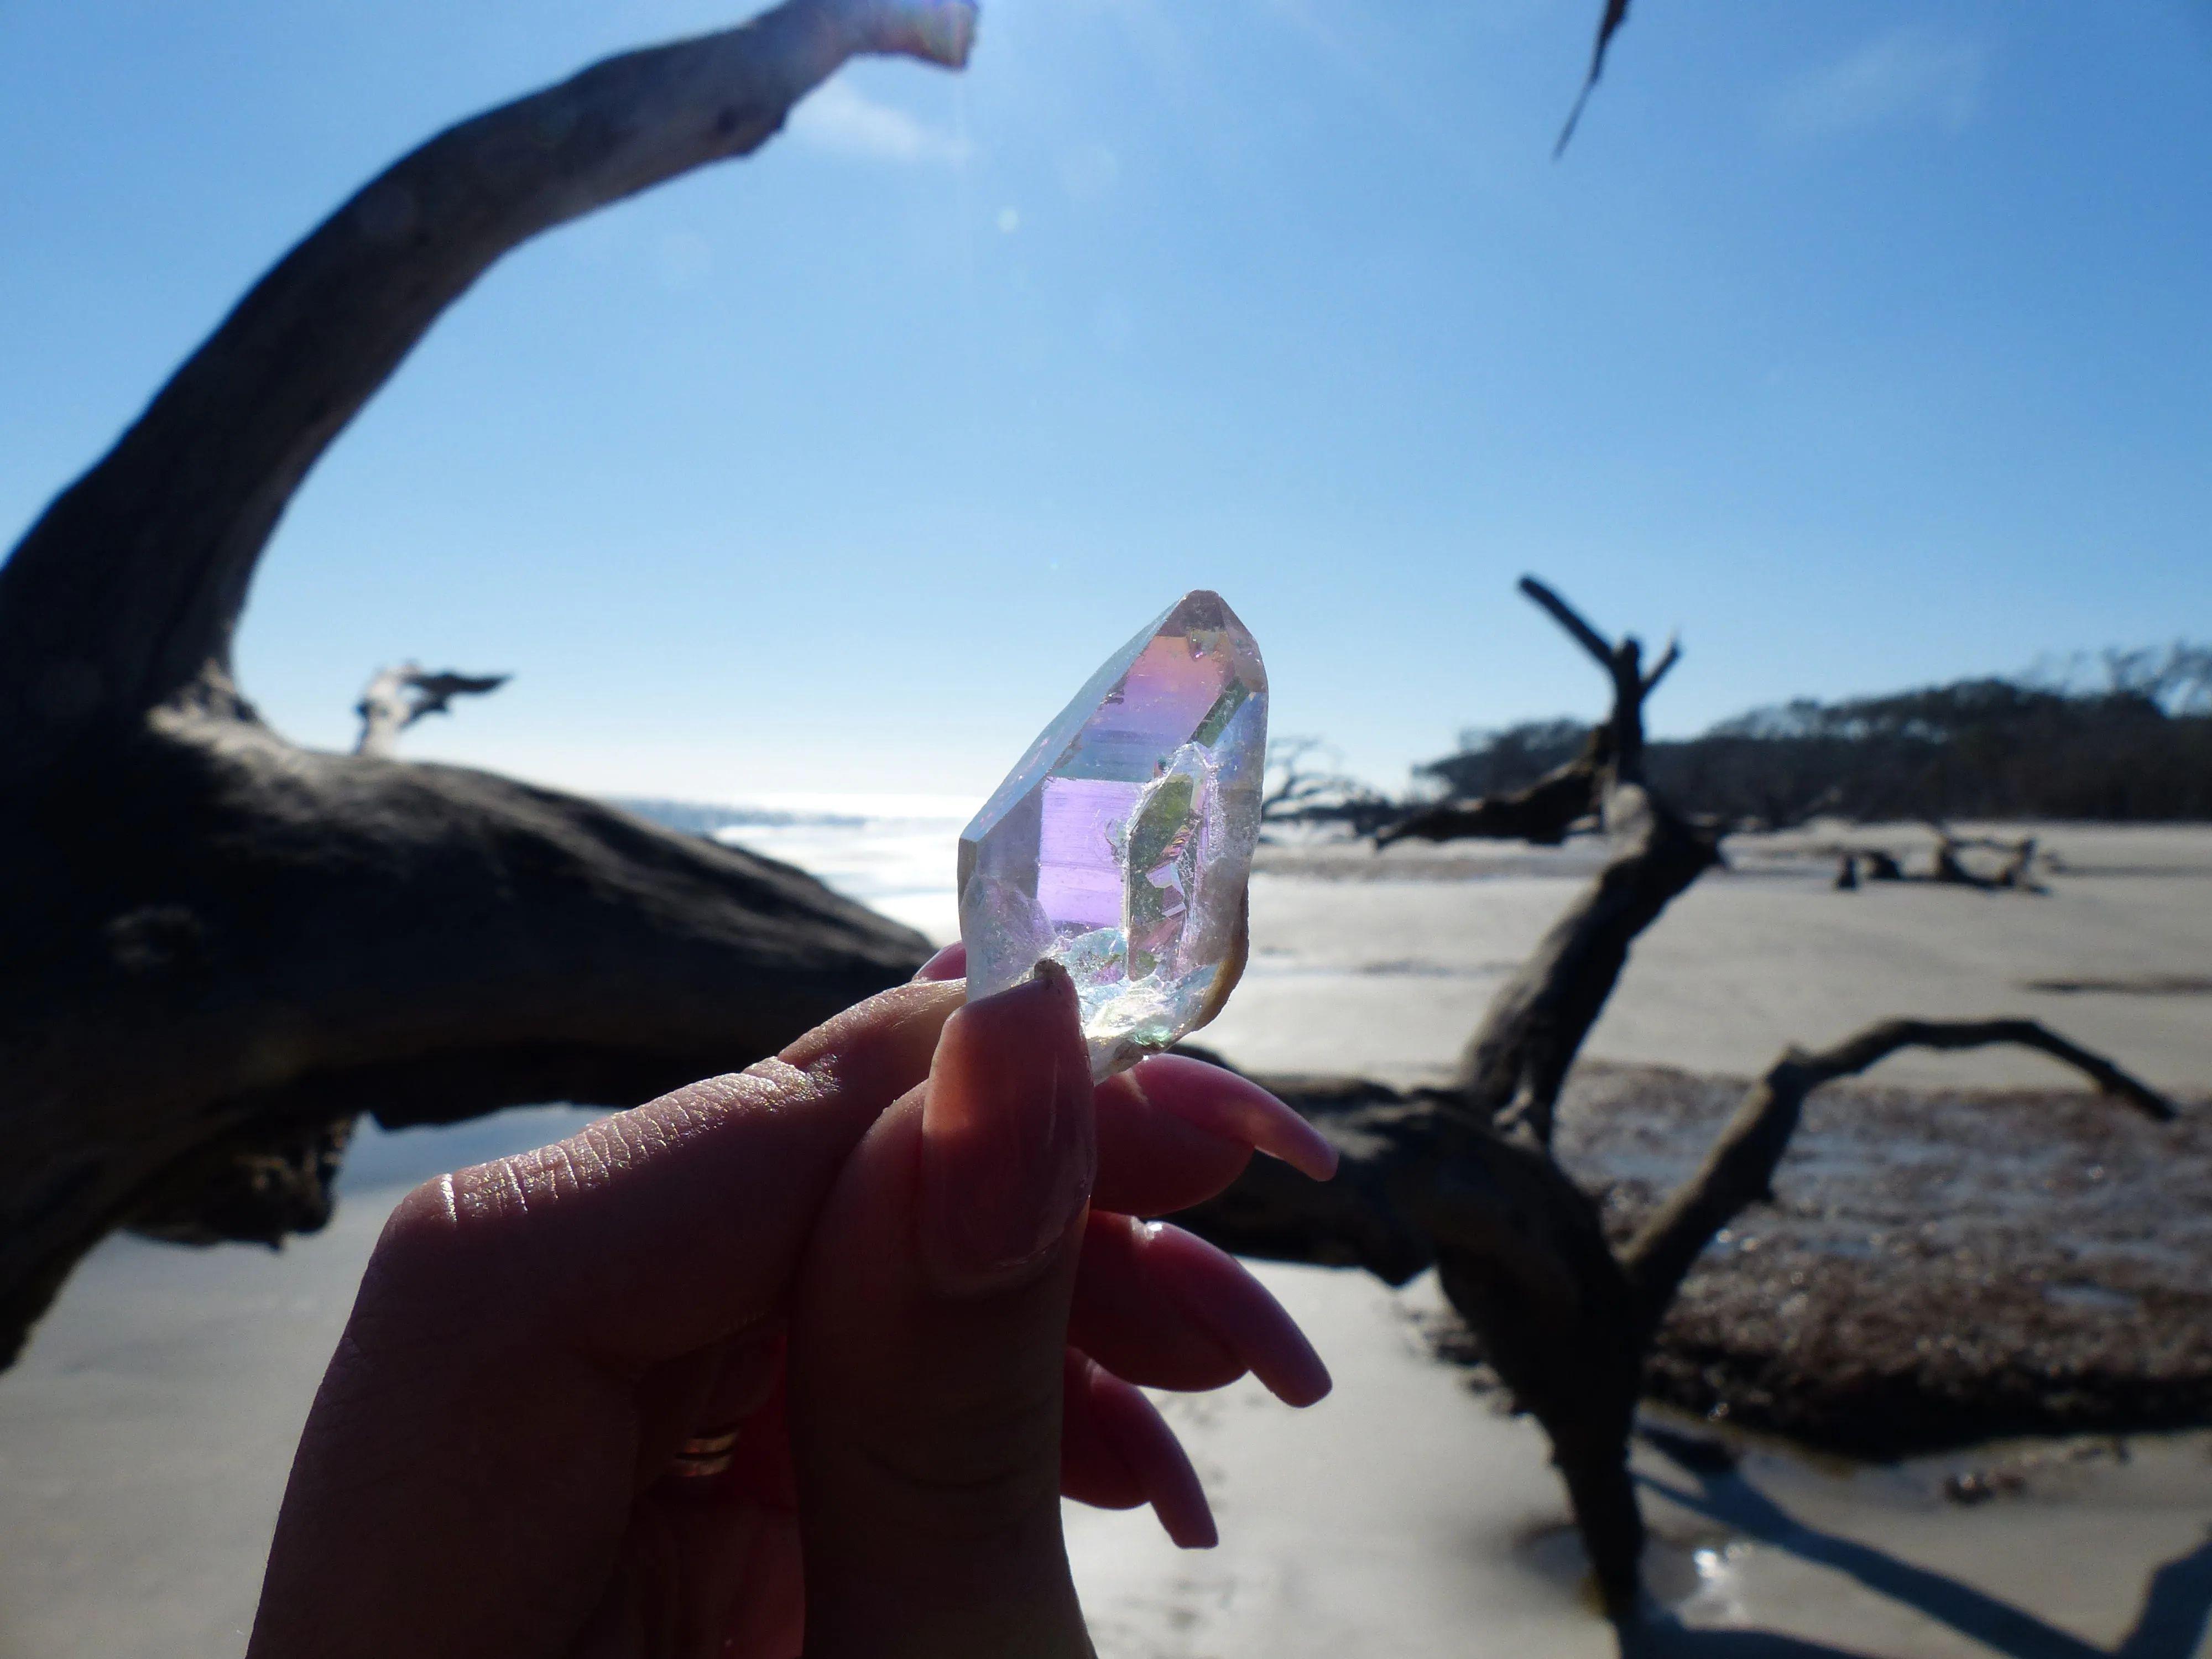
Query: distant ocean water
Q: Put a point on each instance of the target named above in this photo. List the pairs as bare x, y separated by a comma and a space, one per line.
895, 853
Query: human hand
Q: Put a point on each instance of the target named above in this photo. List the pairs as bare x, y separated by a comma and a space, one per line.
486, 1468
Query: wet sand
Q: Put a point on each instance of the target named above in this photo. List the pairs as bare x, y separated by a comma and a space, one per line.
144, 1440
1404, 1515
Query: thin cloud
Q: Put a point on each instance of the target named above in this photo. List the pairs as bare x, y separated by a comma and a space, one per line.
1910, 73
840, 117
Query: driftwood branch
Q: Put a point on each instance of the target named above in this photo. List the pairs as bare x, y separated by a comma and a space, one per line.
1600, 648
1463, 1178
1616, 14
1517, 1062
1541, 814
1565, 1322
123, 595
216, 949
1545, 811
1739, 1170
398, 697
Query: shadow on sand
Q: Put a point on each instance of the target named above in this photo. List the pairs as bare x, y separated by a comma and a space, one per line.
2176, 1607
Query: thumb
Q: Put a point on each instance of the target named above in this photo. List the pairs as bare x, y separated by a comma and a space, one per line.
927, 1340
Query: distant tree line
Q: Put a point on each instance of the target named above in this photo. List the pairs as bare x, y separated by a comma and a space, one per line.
2136, 747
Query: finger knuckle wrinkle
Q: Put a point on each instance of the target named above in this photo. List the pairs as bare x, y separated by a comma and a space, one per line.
588, 1159
444, 1220
983, 1473
425, 1240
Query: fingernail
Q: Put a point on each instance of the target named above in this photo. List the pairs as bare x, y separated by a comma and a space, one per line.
1008, 1154
1137, 1434
1235, 1108
1218, 1292
950, 963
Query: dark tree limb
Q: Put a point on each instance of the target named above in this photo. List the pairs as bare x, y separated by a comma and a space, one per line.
1616, 14
1600, 648
259, 1188
1517, 1062
1545, 811
1541, 814
1739, 1170
294, 938
218, 949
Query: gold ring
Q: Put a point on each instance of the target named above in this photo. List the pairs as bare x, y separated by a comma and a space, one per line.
704, 1456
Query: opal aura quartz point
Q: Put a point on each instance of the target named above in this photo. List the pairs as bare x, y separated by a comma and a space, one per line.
1121, 846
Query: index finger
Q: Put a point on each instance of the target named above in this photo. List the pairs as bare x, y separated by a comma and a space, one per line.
658, 1230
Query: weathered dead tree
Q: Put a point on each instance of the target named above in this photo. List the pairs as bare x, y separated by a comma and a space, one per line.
1463, 1178
396, 697
216, 948
1569, 796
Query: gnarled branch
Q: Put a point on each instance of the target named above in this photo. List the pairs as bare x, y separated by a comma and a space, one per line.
1541, 814
1565, 1321
1616, 14
123, 595
1515, 1065
1739, 1170
1547, 809
217, 949
1600, 648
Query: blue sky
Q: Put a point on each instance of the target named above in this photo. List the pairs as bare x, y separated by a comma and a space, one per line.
1866, 343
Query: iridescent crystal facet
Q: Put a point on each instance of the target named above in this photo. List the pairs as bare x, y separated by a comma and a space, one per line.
1121, 846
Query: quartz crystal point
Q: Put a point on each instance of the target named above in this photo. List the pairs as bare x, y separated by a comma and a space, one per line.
1121, 846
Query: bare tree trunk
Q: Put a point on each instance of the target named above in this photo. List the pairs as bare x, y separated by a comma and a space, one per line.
217, 949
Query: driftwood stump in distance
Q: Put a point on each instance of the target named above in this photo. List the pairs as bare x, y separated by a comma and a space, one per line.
217, 949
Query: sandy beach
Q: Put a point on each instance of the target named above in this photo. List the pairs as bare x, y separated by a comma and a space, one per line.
144, 1438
